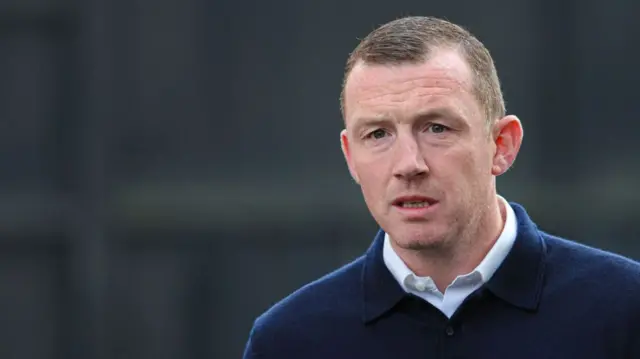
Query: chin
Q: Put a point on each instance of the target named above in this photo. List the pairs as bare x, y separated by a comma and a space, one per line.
421, 244
417, 239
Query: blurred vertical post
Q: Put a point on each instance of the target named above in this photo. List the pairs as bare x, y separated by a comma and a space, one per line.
94, 76
558, 100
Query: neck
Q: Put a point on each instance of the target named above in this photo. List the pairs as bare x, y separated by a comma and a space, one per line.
462, 254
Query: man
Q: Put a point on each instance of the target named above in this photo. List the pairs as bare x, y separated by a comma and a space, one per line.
455, 271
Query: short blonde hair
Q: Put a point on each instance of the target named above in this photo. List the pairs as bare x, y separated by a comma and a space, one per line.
412, 39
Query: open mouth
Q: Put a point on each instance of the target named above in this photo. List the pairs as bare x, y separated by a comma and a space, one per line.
413, 202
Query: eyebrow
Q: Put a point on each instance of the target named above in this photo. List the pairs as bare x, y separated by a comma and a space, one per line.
432, 114
440, 112
361, 122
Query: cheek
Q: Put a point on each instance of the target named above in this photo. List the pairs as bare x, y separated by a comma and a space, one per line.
456, 162
475, 158
478, 175
372, 179
463, 168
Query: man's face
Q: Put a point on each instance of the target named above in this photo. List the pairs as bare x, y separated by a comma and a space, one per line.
416, 141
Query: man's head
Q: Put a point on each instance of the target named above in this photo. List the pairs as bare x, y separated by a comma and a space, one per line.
425, 130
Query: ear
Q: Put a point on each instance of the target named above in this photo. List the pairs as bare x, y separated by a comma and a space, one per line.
346, 150
507, 137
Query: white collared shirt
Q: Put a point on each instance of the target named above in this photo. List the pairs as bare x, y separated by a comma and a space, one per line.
449, 301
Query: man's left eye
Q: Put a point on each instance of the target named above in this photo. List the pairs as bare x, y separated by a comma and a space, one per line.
437, 128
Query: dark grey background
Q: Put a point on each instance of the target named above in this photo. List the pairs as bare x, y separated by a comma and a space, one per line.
170, 168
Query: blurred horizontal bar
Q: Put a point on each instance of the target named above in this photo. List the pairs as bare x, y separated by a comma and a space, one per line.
229, 205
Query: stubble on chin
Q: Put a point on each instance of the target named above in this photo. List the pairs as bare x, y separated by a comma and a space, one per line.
423, 243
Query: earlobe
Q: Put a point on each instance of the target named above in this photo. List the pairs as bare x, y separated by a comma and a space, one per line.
346, 151
508, 138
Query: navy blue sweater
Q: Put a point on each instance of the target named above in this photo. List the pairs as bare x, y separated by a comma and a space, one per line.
550, 299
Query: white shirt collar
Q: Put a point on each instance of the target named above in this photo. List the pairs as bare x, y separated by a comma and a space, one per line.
481, 274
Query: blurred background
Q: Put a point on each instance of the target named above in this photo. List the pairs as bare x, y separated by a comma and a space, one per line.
171, 168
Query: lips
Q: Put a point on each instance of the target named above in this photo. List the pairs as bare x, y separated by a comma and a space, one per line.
414, 201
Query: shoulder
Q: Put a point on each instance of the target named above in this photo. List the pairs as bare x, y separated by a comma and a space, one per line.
598, 285
591, 268
329, 299
586, 259
319, 296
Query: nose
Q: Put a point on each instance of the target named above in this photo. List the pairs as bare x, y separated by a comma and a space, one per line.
409, 161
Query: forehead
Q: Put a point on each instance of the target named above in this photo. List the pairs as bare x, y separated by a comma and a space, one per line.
444, 75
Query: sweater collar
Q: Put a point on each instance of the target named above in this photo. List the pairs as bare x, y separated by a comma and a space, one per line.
517, 281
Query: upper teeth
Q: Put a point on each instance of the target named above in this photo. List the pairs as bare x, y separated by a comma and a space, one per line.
415, 204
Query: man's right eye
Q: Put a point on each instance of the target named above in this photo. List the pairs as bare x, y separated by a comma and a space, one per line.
377, 134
